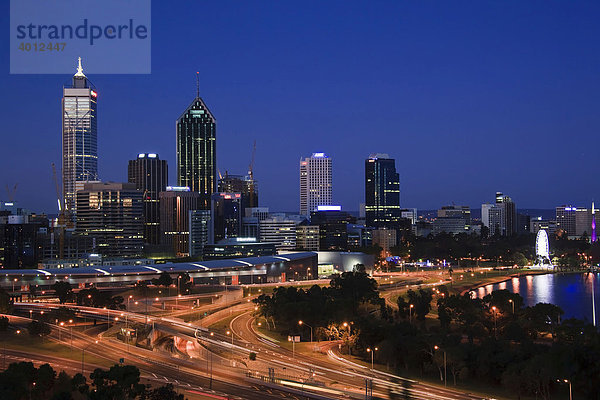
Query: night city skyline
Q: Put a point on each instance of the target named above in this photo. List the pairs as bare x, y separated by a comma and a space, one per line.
465, 98
270, 200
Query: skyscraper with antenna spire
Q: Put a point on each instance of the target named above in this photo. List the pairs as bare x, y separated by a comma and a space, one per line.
196, 149
79, 136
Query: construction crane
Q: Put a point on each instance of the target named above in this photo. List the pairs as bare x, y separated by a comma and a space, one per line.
251, 174
11, 192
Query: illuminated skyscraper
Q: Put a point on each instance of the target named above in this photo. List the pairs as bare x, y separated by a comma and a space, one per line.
382, 191
196, 151
112, 214
150, 174
176, 203
79, 136
315, 182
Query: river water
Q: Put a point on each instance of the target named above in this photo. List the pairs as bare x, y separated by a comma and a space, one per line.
571, 292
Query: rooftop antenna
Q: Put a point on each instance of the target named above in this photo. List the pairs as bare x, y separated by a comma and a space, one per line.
197, 84
79, 68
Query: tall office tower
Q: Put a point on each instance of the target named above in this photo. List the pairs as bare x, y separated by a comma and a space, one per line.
112, 213
200, 232
315, 182
500, 218
150, 174
333, 227
382, 191
240, 184
176, 203
79, 136
226, 215
576, 222
196, 151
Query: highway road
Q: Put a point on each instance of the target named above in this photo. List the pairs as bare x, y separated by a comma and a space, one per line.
326, 372
186, 374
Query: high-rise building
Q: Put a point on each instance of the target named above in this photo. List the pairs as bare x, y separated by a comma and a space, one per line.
150, 174
333, 227
112, 213
176, 203
196, 151
500, 218
382, 191
576, 222
315, 182
359, 236
279, 231
200, 232
79, 136
251, 219
240, 184
307, 237
384, 238
226, 215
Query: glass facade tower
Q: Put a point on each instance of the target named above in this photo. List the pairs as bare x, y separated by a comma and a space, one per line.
150, 174
382, 191
196, 151
79, 136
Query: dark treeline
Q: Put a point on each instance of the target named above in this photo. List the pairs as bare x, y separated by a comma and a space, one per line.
494, 341
21, 381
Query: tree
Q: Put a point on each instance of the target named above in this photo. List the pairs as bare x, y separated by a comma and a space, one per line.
120, 381
422, 301
163, 280
544, 317
3, 324
38, 328
63, 290
5, 302
166, 392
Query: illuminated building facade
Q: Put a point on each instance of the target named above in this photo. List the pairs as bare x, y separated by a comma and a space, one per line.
196, 151
112, 213
149, 174
176, 203
382, 191
500, 218
79, 136
227, 212
240, 184
315, 182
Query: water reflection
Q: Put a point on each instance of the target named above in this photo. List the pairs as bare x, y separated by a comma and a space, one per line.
571, 292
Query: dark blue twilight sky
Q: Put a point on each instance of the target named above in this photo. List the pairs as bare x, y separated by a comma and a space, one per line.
469, 97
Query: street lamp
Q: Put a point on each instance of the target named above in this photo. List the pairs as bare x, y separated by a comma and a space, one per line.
495, 330
438, 348
513, 305
230, 333
71, 332
372, 353
410, 311
570, 390
304, 323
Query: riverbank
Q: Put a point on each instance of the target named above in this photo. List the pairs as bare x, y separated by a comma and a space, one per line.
474, 284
